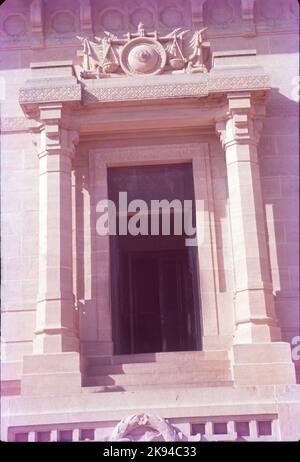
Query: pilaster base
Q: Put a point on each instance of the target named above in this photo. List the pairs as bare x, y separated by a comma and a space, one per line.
257, 332
51, 374
263, 364
49, 342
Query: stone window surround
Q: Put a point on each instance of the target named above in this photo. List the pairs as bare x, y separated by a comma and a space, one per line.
198, 154
61, 112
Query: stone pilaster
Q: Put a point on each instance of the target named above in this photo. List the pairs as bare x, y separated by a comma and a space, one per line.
254, 303
259, 357
48, 98
55, 331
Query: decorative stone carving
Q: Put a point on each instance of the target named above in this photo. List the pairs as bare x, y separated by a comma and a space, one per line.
239, 82
174, 13
15, 26
13, 124
145, 427
63, 22
146, 92
268, 10
49, 94
222, 12
200, 52
244, 122
144, 53
112, 19
171, 16
219, 13
143, 56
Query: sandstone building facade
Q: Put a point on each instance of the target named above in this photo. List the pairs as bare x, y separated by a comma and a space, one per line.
143, 337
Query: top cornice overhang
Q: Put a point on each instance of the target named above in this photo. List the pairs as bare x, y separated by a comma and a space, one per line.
134, 93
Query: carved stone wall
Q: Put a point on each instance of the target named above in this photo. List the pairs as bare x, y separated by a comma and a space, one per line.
29, 24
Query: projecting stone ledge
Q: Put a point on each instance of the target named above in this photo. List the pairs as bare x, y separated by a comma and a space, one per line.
63, 85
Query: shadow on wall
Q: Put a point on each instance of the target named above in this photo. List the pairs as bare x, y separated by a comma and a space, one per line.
279, 166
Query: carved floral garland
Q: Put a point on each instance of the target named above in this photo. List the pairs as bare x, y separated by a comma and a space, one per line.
160, 429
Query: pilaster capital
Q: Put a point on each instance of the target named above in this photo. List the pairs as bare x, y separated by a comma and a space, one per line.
248, 10
243, 122
197, 12
55, 135
86, 17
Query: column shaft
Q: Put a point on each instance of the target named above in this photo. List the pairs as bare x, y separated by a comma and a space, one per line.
55, 330
254, 302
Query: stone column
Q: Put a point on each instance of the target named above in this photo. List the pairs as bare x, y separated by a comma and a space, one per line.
55, 365
55, 331
258, 355
254, 303
49, 98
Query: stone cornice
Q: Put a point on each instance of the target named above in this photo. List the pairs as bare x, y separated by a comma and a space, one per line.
156, 88
40, 94
13, 124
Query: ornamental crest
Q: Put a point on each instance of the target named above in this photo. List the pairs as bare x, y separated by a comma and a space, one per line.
145, 427
144, 53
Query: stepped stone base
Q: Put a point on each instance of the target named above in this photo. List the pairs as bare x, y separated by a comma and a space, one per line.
158, 369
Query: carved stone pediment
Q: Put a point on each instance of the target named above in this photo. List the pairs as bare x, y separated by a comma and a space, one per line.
144, 53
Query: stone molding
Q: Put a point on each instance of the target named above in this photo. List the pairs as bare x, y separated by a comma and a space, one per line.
53, 136
13, 124
31, 25
186, 87
50, 94
144, 92
244, 121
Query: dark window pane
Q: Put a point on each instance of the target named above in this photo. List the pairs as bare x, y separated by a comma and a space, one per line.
242, 428
220, 428
264, 428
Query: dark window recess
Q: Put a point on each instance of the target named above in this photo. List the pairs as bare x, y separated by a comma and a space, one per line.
43, 437
65, 436
242, 428
198, 429
264, 428
87, 434
154, 279
21, 437
220, 428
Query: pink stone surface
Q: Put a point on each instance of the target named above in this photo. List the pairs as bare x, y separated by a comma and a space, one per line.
55, 269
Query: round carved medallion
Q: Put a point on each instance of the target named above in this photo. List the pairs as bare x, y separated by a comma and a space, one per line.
15, 26
222, 13
63, 22
171, 17
271, 10
112, 19
143, 56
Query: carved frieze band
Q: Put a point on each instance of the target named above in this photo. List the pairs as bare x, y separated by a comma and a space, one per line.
244, 82
50, 94
144, 92
201, 86
13, 124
